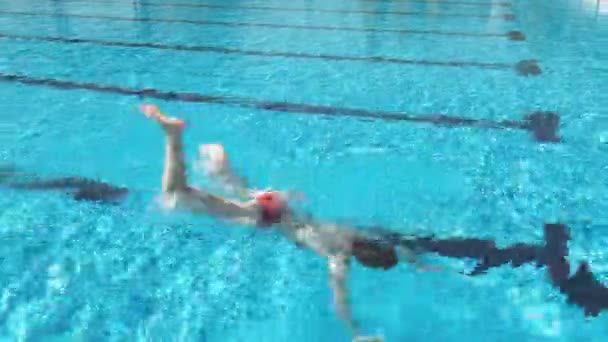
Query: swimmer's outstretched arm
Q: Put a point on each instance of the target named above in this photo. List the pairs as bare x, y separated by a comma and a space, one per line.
339, 266
243, 212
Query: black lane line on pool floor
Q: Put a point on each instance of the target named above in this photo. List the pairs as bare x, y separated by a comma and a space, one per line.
523, 68
507, 17
511, 35
581, 289
544, 126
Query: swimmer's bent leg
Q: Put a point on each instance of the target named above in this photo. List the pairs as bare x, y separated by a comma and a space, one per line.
174, 173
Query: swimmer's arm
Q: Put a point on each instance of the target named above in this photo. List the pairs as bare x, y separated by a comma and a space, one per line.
233, 183
237, 185
216, 164
243, 212
339, 266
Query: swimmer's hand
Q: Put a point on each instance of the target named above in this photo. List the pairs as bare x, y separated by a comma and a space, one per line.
368, 339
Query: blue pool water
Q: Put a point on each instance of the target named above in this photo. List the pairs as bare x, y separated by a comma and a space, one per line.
76, 271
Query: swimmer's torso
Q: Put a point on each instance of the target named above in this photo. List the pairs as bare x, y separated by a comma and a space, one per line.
324, 239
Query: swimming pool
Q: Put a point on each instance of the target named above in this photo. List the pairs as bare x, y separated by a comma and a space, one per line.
338, 99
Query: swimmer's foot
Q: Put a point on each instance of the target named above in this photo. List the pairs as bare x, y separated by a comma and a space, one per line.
169, 124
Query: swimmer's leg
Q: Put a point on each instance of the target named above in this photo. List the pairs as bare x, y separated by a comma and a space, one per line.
174, 174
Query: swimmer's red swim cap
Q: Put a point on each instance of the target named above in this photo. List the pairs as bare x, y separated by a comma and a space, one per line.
273, 207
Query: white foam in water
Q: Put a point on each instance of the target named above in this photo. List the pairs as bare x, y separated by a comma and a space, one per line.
367, 150
215, 262
5, 300
603, 137
4, 64
542, 317
58, 279
603, 6
8, 133
224, 266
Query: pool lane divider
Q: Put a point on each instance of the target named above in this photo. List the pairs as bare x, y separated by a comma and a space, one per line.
447, 14
511, 35
543, 126
522, 68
